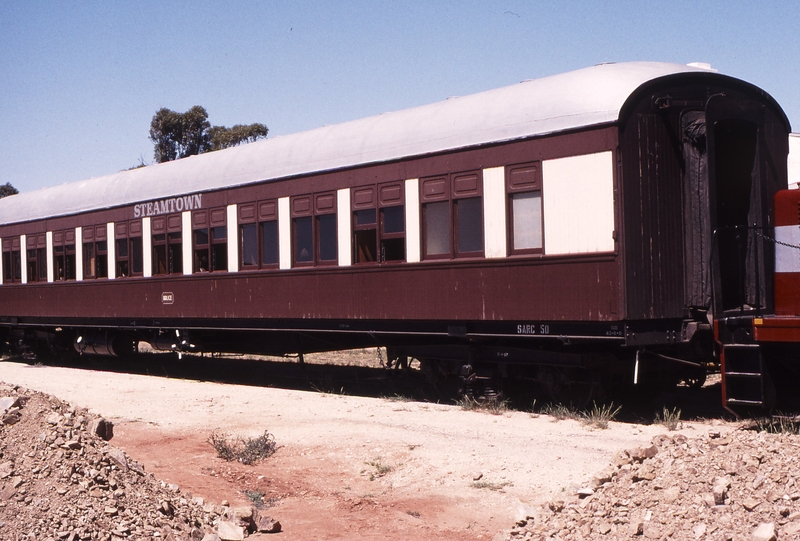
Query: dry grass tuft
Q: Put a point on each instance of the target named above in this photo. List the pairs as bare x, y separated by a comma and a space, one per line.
244, 450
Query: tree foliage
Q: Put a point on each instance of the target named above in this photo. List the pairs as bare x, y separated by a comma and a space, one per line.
178, 135
7, 189
222, 137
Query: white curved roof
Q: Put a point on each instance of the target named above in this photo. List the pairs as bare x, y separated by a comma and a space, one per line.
585, 97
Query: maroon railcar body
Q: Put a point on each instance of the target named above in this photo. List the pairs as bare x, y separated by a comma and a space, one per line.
502, 265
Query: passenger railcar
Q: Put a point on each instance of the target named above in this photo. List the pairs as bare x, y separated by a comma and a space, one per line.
605, 227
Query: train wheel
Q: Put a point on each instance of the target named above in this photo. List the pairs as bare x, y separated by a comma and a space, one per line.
562, 389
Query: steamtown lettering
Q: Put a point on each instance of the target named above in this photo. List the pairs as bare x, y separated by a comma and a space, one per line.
168, 206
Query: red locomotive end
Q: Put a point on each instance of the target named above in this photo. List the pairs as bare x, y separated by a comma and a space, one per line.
787, 253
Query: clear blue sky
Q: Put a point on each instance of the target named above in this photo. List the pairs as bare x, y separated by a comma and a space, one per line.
80, 81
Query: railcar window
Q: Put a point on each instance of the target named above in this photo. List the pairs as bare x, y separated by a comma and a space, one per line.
129, 249
123, 259
201, 262
469, 232
89, 261
393, 237
12, 261
16, 263
137, 255
365, 232
210, 239
327, 237
219, 248
37, 259
269, 243
526, 225
379, 223
175, 252
159, 253
258, 235
64, 255
303, 240
437, 228
167, 245
524, 185
314, 234
248, 234
33, 267
95, 252
452, 215
101, 258
42, 257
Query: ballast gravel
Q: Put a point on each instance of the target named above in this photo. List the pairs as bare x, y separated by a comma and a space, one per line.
739, 486
61, 480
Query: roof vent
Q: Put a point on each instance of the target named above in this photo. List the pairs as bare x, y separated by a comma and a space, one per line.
701, 65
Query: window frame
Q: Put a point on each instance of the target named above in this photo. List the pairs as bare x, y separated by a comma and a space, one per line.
523, 178
128, 234
213, 224
97, 253
377, 197
450, 188
257, 215
168, 227
64, 255
12, 264
316, 207
37, 265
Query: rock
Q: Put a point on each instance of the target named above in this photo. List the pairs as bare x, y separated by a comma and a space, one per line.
584, 492
6, 469
719, 492
764, 532
243, 516
54, 470
211, 537
750, 504
267, 524
8, 402
671, 494
699, 530
791, 531
477, 476
229, 531
119, 458
603, 528
641, 453
12, 417
645, 472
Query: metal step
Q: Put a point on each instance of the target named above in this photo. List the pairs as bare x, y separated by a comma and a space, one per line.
743, 375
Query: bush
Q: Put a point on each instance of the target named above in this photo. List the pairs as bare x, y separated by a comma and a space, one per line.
244, 450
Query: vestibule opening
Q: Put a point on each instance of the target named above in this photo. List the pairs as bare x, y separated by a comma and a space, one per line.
722, 189
735, 149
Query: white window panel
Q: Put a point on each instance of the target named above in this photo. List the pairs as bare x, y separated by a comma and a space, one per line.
578, 209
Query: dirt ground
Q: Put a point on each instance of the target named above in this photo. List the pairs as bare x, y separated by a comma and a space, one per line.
346, 466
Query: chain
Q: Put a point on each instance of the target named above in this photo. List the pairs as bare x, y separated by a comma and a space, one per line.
776, 241
380, 358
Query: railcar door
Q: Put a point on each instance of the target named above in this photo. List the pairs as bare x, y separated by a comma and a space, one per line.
737, 209
724, 208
